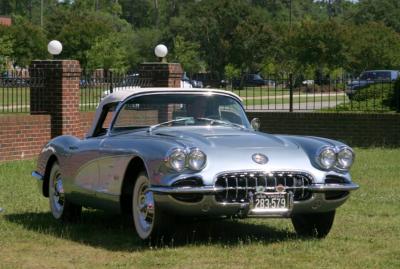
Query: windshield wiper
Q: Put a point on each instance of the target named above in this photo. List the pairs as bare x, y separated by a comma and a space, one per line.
155, 126
227, 123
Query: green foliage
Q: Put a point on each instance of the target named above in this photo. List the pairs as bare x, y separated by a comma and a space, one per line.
80, 33
373, 46
29, 42
141, 46
387, 11
108, 53
266, 36
6, 48
231, 72
187, 53
379, 96
320, 45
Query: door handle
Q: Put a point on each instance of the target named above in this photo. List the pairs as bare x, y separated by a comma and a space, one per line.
73, 147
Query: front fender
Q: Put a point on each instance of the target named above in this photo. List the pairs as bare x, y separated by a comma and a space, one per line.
311, 145
55, 149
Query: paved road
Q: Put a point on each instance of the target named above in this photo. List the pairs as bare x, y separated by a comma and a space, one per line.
310, 96
310, 106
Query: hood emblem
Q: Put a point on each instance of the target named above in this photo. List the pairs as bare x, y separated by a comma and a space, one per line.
259, 158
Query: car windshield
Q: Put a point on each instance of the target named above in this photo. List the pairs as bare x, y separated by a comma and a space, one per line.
184, 109
378, 75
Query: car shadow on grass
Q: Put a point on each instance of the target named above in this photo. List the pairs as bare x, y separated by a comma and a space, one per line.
116, 233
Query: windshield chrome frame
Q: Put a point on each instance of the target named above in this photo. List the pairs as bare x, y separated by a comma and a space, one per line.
208, 93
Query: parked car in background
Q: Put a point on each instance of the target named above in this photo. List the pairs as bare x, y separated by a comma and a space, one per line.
371, 77
194, 83
158, 153
253, 80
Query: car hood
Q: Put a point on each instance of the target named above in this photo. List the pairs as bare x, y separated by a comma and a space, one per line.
232, 149
227, 137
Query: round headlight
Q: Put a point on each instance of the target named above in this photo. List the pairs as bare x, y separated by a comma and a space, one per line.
177, 160
197, 159
327, 158
345, 158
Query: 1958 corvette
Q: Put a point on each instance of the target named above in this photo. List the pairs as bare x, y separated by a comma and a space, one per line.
157, 153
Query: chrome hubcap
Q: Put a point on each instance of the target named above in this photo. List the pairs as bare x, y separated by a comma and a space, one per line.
145, 208
58, 193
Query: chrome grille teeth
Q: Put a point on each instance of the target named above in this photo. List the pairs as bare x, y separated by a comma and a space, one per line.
238, 186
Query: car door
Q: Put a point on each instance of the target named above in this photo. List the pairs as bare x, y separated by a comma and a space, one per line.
84, 170
112, 163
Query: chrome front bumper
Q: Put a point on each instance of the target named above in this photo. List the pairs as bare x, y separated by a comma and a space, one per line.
40, 179
210, 206
212, 190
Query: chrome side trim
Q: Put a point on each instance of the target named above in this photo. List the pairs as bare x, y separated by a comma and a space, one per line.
212, 189
333, 187
175, 190
37, 175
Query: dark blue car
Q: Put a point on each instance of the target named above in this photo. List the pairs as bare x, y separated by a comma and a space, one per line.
370, 77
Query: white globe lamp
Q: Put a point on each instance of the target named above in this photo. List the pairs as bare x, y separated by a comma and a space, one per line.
54, 47
161, 51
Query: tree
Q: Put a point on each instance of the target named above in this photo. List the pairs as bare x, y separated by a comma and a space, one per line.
227, 32
387, 11
187, 53
29, 42
6, 48
139, 13
141, 46
82, 30
322, 46
374, 46
108, 53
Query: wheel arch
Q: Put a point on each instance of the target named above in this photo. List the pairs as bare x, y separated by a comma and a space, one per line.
45, 189
135, 166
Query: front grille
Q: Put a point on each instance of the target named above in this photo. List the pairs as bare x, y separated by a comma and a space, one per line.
238, 185
188, 182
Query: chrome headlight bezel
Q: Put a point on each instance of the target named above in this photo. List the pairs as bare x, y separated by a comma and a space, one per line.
336, 163
341, 162
323, 158
176, 160
197, 159
179, 159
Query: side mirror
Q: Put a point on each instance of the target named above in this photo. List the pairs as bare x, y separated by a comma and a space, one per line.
255, 124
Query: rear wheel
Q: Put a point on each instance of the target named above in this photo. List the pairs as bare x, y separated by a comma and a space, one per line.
313, 225
151, 222
60, 207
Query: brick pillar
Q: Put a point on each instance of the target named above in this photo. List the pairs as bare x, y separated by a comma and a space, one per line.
162, 74
57, 94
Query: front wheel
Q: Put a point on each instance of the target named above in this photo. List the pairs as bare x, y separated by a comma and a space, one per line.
151, 222
313, 225
60, 207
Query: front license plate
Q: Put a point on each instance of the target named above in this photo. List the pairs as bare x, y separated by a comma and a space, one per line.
271, 201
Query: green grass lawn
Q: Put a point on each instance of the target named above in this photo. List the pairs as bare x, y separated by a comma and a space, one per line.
366, 232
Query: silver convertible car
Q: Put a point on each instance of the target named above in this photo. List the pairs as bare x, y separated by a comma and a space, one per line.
157, 153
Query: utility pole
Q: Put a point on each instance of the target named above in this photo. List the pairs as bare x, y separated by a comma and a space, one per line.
41, 13
290, 15
157, 14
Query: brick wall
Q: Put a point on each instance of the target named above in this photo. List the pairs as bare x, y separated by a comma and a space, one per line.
6, 21
59, 94
355, 129
23, 136
162, 74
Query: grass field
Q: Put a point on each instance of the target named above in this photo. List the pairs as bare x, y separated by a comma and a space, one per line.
366, 232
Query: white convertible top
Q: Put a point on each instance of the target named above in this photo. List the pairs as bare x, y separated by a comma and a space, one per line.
120, 94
